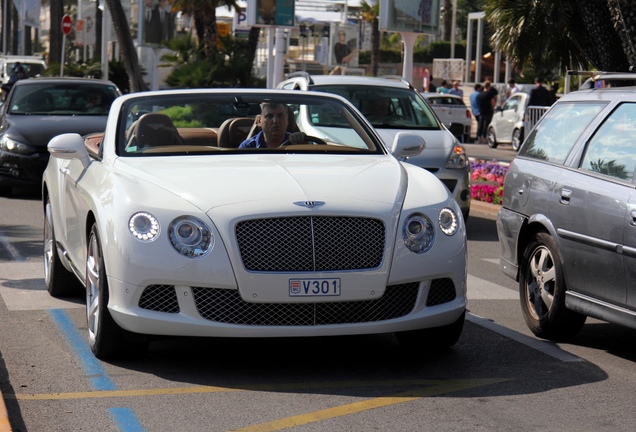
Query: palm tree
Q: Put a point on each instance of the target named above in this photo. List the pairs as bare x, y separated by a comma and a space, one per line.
127, 47
564, 34
370, 13
204, 13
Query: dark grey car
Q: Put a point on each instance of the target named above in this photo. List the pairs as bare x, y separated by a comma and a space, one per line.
36, 110
567, 228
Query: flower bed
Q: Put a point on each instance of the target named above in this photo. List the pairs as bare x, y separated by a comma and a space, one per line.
487, 181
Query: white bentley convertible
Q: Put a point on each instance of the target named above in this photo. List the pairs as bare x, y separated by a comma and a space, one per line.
171, 229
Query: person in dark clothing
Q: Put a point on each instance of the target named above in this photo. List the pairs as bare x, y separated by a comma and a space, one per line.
539, 95
487, 101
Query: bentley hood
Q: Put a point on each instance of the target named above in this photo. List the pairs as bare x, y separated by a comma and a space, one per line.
266, 181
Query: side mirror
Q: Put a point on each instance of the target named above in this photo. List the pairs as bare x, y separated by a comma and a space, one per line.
407, 144
69, 146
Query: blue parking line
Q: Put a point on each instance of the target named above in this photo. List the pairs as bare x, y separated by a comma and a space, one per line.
92, 367
126, 420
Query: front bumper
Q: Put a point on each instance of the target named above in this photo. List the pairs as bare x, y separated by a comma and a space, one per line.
22, 170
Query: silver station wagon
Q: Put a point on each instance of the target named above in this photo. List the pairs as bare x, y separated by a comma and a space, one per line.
567, 228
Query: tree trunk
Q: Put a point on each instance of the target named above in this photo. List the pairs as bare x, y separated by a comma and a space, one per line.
98, 32
55, 35
210, 32
127, 48
375, 47
623, 16
604, 50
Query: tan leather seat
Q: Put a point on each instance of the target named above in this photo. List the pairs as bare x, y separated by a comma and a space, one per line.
152, 130
234, 131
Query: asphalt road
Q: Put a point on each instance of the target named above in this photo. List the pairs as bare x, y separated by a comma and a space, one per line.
497, 378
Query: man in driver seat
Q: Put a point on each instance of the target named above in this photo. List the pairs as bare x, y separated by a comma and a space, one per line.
273, 122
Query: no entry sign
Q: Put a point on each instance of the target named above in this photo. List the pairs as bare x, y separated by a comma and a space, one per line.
67, 24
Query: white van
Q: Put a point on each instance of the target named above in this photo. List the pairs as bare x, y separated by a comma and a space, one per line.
33, 66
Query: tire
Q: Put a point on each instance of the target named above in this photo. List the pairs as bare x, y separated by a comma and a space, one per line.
542, 291
105, 337
58, 280
491, 138
435, 338
517, 139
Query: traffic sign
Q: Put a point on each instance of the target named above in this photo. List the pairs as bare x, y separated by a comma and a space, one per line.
67, 24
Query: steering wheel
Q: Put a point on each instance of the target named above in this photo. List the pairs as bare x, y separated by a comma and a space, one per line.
308, 139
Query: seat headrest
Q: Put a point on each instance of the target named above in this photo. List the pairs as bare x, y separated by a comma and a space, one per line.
234, 131
155, 129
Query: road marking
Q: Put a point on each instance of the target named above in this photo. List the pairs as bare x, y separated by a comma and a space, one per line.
321, 385
22, 288
442, 387
126, 420
481, 289
13, 252
93, 368
549, 348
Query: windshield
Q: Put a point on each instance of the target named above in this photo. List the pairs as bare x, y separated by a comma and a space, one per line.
31, 69
62, 99
387, 107
205, 122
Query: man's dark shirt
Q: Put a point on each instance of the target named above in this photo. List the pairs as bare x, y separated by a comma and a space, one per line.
258, 141
540, 96
485, 106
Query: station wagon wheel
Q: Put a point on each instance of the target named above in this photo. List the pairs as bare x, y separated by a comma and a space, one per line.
517, 139
58, 280
542, 291
104, 335
491, 138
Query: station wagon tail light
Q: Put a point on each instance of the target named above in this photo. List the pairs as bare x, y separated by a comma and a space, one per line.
448, 221
144, 226
190, 236
458, 158
418, 233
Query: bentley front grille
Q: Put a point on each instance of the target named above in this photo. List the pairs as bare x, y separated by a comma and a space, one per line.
320, 243
441, 291
161, 298
227, 306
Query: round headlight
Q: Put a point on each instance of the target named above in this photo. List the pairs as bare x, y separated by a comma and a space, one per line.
448, 221
418, 233
190, 236
144, 226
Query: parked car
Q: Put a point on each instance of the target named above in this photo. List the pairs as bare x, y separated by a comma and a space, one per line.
172, 230
567, 226
507, 124
451, 109
37, 109
404, 109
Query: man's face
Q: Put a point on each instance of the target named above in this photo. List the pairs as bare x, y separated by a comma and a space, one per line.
273, 121
342, 37
148, 3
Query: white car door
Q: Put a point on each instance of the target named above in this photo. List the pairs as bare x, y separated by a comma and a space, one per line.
506, 118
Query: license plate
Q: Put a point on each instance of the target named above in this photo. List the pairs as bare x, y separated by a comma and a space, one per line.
314, 287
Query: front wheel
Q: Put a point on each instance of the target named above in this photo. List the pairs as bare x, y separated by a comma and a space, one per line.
517, 139
58, 280
491, 138
105, 337
542, 291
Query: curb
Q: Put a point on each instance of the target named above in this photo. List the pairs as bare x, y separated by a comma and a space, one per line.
484, 208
